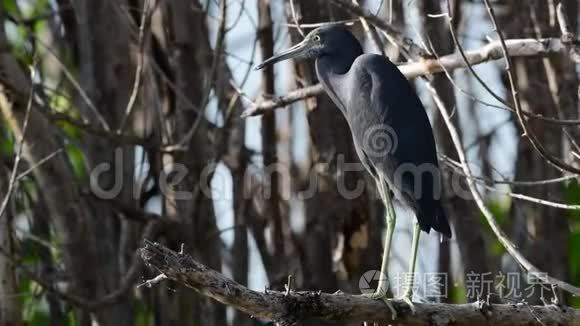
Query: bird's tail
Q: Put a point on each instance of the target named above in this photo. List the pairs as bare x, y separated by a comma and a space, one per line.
440, 221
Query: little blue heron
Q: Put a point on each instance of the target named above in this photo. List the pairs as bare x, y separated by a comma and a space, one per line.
391, 132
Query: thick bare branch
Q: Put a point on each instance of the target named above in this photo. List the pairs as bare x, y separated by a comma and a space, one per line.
489, 52
293, 307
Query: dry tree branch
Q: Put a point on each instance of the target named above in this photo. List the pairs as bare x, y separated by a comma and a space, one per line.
469, 65
185, 141
555, 161
396, 37
371, 33
502, 237
13, 178
69, 75
568, 37
456, 166
295, 18
282, 101
143, 30
292, 307
489, 52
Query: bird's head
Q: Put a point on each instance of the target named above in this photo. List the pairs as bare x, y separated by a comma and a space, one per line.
325, 40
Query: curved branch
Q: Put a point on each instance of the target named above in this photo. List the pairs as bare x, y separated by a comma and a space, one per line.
502, 237
489, 52
396, 37
290, 308
553, 160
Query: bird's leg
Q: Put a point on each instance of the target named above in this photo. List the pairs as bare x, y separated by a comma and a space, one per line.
383, 286
408, 295
391, 220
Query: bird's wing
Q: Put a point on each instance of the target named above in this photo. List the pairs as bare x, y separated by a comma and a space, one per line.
393, 135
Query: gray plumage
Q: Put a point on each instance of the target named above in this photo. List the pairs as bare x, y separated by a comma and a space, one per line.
374, 96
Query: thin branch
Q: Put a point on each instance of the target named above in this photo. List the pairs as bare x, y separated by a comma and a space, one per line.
555, 161
293, 307
37, 164
371, 33
456, 166
466, 60
397, 38
282, 101
76, 85
143, 30
295, 18
212, 76
20, 145
346, 22
489, 52
502, 237
568, 37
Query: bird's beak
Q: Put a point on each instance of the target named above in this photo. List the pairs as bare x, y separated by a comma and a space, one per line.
296, 51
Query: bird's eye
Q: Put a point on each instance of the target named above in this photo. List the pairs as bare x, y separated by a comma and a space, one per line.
317, 38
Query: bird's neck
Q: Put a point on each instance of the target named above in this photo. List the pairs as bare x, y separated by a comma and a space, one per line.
336, 64
331, 71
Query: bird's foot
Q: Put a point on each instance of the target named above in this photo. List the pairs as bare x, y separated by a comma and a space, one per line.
407, 299
382, 295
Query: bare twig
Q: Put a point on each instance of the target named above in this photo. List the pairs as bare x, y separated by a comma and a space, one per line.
295, 18
371, 33
37, 164
77, 86
143, 30
220, 46
502, 237
397, 38
153, 281
20, 146
347, 22
466, 60
283, 101
555, 161
568, 37
457, 168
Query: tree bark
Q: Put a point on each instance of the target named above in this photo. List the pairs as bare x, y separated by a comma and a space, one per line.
291, 308
10, 306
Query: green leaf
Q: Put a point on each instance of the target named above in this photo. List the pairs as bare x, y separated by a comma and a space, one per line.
500, 212
11, 7
573, 198
144, 316
77, 160
457, 293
